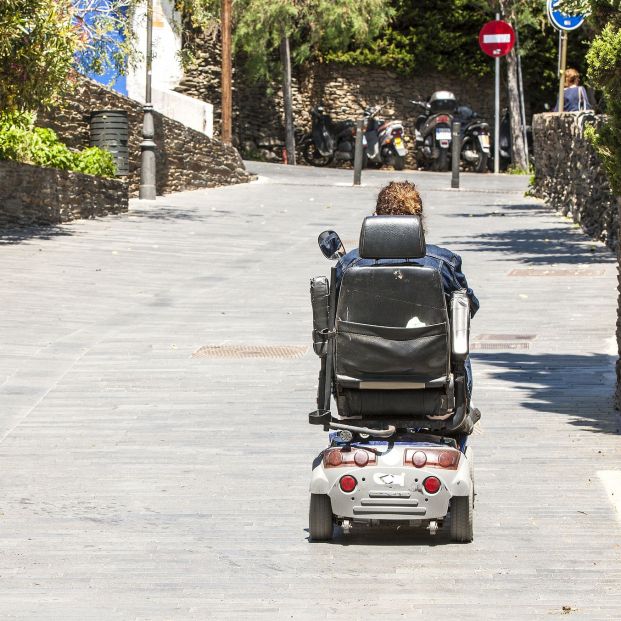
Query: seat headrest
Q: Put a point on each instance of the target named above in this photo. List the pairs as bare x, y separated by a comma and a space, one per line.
392, 237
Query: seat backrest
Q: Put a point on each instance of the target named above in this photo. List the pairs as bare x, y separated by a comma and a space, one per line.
392, 326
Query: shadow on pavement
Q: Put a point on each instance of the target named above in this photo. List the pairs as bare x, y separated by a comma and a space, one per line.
504, 211
169, 214
541, 246
389, 536
14, 236
579, 386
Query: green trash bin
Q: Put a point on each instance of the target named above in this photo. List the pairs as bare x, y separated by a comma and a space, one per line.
109, 130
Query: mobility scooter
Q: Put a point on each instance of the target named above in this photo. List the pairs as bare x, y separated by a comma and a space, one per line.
392, 351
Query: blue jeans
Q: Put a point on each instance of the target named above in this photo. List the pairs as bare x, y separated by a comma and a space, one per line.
468, 371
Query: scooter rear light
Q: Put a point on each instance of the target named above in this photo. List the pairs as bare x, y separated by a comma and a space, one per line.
432, 485
419, 459
333, 458
447, 458
336, 457
443, 118
348, 483
361, 458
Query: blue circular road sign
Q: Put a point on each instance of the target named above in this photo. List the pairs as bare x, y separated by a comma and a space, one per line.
562, 21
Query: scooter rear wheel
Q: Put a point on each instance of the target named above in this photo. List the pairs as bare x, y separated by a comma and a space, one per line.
313, 157
320, 518
462, 529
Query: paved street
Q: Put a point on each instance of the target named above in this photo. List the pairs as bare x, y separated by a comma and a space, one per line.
142, 478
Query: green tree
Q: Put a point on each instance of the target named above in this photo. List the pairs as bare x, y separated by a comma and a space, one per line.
38, 40
272, 33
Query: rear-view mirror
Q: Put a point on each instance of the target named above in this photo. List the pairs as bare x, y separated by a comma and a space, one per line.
331, 245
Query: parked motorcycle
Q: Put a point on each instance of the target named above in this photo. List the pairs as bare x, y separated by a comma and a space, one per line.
475, 140
433, 131
506, 145
328, 140
384, 140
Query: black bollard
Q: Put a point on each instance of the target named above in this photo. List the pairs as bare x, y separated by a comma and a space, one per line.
455, 157
358, 152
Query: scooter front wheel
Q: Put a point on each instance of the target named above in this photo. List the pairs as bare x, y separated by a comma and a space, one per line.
320, 518
313, 157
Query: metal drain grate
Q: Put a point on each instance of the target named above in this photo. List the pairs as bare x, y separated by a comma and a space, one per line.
506, 337
559, 272
280, 352
502, 342
498, 346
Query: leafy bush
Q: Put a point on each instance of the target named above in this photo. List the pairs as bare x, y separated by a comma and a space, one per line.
21, 141
604, 59
95, 161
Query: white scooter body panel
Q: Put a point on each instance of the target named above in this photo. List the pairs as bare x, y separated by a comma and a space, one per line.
391, 490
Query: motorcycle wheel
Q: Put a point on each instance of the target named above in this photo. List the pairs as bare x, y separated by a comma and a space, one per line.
481, 163
442, 163
312, 156
395, 160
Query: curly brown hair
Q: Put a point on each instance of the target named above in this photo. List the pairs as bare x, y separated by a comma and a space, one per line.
399, 198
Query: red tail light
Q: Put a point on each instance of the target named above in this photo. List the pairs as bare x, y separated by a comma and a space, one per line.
335, 457
447, 458
348, 483
431, 485
443, 118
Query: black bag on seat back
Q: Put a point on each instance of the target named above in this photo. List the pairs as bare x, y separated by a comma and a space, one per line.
392, 323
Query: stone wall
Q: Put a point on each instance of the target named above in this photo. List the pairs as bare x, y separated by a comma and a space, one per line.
186, 159
344, 90
34, 195
570, 177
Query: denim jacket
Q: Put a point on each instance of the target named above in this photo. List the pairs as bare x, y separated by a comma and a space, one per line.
446, 262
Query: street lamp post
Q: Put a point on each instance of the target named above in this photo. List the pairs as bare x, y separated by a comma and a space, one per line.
147, 146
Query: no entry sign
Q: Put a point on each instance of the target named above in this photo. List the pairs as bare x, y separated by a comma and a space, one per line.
497, 38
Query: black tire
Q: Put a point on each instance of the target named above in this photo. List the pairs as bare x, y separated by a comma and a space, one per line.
398, 162
480, 165
442, 163
311, 155
320, 518
462, 530
470, 456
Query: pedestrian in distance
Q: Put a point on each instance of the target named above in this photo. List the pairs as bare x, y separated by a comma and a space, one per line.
575, 98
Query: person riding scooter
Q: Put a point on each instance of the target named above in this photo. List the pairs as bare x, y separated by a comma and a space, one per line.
402, 198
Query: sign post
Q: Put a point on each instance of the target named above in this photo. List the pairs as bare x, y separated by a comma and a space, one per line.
497, 39
564, 23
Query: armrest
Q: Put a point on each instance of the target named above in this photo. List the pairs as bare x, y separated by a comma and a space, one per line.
320, 300
460, 325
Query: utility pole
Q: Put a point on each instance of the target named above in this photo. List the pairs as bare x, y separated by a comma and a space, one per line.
285, 60
147, 146
561, 71
226, 81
